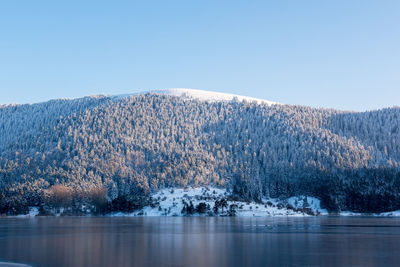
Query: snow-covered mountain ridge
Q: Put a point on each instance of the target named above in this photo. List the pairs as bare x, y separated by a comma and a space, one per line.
202, 95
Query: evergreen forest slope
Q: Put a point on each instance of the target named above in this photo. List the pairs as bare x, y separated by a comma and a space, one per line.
127, 147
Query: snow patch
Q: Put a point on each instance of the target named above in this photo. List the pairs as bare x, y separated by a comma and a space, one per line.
12, 264
349, 213
395, 213
33, 212
306, 202
172, 201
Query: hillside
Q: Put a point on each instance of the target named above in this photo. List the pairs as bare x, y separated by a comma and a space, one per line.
119, 150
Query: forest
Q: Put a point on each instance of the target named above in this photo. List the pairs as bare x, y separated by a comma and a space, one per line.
110, 153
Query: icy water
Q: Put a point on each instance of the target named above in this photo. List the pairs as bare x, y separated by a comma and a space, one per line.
175, 241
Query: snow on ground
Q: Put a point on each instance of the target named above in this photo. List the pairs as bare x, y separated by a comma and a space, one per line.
349, 213
12, 264
261, 210
33, 211
201, 95
170, 202
302, 202
395, 213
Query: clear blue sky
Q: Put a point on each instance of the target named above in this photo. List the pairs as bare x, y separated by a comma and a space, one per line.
342, 54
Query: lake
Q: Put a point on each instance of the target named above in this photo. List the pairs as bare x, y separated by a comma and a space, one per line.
201, 241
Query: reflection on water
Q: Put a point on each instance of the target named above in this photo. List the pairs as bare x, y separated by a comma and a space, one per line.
175, 241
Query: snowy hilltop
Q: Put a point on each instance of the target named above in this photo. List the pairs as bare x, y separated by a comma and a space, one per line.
111, 154
208, 95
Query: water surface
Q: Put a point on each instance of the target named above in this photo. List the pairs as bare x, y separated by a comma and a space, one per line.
201, 241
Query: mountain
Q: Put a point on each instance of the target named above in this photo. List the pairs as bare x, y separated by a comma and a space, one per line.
118, 149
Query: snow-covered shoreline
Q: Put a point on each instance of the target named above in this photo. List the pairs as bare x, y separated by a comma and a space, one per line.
171, 202
202, 201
